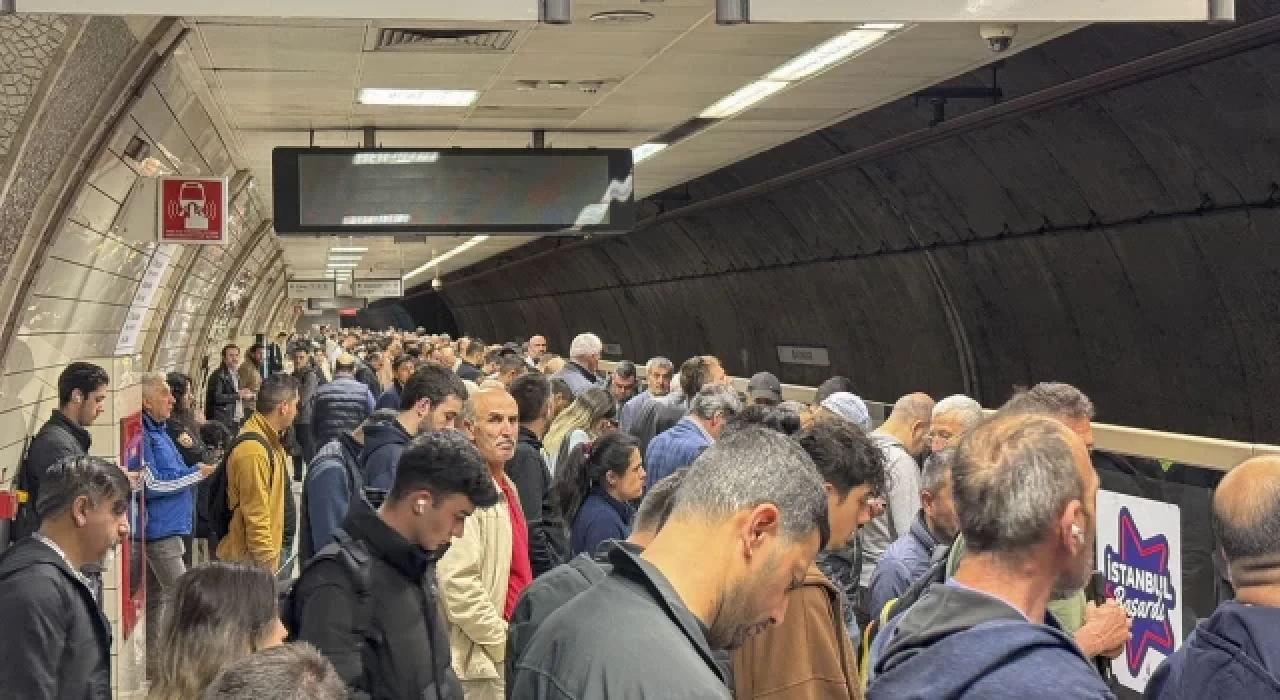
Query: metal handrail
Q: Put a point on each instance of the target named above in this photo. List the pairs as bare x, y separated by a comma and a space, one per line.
1195, 450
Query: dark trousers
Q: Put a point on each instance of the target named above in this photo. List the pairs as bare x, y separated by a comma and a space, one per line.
307, 443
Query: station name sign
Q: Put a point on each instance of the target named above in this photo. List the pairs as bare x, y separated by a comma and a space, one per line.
312, 289
377, 289
799, 355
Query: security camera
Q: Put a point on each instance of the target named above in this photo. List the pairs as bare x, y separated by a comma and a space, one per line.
999, 37
437, 284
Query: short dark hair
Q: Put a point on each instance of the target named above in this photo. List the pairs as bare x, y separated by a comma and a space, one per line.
781, 420
658, 502
833, 385
295, 671
433, 383
561, 388
228, 346
215, 435
275, 390
85, 376
73, 477
509, 363
402, 360
531, 392
444, 463
695, 372
255, 346
625, 369
494, 356
475, 346
844, 455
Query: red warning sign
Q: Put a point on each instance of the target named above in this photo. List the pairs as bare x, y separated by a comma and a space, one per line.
193, 210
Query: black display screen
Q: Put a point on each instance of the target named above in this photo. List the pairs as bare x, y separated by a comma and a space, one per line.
319, 190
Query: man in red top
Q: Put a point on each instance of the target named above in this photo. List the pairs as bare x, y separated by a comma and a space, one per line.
484, 571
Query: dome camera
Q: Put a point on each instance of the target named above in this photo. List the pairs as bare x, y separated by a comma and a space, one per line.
999, 37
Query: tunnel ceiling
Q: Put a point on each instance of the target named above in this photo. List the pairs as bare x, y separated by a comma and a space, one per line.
1124, 240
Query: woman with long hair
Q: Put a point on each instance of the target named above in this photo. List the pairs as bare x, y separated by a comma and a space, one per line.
183, 425
591, 415
593, 487
219, 614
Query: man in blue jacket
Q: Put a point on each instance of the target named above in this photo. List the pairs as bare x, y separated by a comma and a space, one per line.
1236, 652
431, 400
334, 478
168, 484
1025, 492
677, 447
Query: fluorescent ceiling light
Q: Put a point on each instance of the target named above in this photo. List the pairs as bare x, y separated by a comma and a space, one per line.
886, 26
418, 98
348, 250
341, 266
439, 259
344, 258
827, 54
742, 99
377, 220
645, 150
395, 158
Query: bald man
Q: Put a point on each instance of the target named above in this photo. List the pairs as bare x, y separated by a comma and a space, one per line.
1236, 652
485, 570
901, 440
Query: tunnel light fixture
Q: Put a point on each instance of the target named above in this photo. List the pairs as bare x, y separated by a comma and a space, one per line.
742, 99
417, 98
440, 259
376, 220
395, 158
885, 26
348, 250
646, 150
344, 258
835, 50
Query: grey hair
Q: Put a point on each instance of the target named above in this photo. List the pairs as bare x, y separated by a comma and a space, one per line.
656, 362
751, 467
72, 477
968, 410
1050, 399
1011, 479
153, 380
936, 475
294, 671
713, 399
584, 345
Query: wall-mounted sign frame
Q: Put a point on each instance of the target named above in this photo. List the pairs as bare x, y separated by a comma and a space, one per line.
193, 210
377, 288
312, 289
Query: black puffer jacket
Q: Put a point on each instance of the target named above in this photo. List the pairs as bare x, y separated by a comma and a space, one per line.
58, 439
401, 650
548, 542
57, 643
220, 398
340, 407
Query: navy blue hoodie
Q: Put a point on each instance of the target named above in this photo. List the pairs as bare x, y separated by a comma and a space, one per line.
383, 444
960, 643
1233, 654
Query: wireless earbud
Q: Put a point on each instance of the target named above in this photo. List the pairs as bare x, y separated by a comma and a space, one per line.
1077, 533
420, 506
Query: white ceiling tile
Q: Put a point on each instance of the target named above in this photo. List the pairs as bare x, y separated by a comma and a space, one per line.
541, 66
292, 38
748, 65
569, 96
779, 44
548, 39
425, 81
379, 63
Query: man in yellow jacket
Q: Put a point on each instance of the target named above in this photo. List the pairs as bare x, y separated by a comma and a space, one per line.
808, 656
258, 482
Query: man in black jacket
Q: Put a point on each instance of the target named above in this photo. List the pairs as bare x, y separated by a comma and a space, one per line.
562, 584
548, 547
57, 642
472, 358
749, 520
224, 399
82, 396
341, 405
432, 400
391, 596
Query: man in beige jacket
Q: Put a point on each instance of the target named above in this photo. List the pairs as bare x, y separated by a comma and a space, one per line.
484, 571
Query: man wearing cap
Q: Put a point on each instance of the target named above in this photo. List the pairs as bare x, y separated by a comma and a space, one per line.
764, 389
848, 407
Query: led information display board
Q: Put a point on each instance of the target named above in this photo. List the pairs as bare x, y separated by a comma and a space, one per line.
350, 190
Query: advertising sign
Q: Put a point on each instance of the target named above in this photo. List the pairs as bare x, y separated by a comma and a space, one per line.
193, 210
133, 550
312, 289
1140, 554
970, 11
127, 342
377, 289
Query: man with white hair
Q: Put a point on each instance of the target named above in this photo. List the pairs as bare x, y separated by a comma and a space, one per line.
657, 376
584, 359
953, 418
677, 447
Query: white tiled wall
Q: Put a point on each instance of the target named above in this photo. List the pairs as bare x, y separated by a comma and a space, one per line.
87, 284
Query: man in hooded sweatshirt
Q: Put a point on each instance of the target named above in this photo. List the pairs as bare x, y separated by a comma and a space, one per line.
1025, 492
430, 400
1236, 652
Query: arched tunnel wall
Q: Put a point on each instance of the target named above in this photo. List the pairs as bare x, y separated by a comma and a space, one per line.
1125, 242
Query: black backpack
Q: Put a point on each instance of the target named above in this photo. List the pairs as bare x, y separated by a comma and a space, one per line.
217, 508
354, 560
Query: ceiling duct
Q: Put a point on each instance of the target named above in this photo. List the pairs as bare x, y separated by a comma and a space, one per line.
449, 40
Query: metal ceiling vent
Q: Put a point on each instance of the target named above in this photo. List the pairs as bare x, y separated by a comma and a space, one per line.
478, 40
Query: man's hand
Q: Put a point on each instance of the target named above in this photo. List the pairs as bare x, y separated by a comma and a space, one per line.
1106, 630
185, 440
206, 470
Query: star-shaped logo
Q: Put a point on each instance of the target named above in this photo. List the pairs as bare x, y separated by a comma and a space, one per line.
1138, 577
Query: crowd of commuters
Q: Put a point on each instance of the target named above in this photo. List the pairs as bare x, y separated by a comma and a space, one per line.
479, 522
